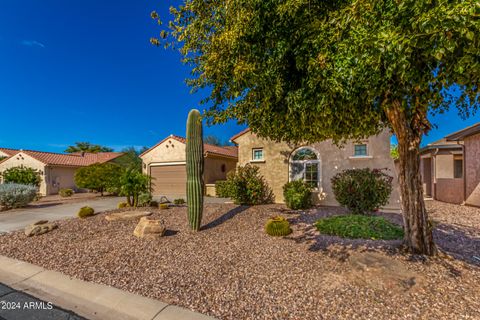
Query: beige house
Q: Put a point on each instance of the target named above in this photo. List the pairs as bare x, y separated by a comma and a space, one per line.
57, 170
315, 163
165, 163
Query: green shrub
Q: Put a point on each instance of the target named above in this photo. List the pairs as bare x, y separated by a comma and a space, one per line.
164, 206
224, 189
144, 199
277, 227
154, 204
22, 175
14, 195
359, 226
297, 195
248, 187
122, 205
179, 201
65, 192
99, 177
85, 212
133, 183
362, 190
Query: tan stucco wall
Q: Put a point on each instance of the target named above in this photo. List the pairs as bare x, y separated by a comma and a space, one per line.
472, 163
213, 168
444, 166
170, 150
275, 168
60, 178
3, 154
22, 159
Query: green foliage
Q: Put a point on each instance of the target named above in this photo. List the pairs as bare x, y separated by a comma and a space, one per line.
362, 190
179, 201
132, 184
357, 226
215, 141
277, 227
122, 205
154, 204
130, 158
14, 195
297, 195
248, 187
85, 212
65, 192
195, 168
224, 189
144, 199
22, 175
99, 177
394, 152
87, 147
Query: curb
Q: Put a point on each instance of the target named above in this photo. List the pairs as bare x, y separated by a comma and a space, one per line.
90, 300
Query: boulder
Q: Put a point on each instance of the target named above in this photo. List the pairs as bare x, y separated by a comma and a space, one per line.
39, 227
129, 215
149, 228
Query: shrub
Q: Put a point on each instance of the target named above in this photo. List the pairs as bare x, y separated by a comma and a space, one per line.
359, 226
122, 205
179, 201
22, 175
248, 187
144, 199
164, 206
14, 195
85, 212
132, 184
224, 189
298, 195
277, 227
154, 204
362, 190
99, 177
65, 192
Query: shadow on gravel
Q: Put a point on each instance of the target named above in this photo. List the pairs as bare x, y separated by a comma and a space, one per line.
461, 243
227, 216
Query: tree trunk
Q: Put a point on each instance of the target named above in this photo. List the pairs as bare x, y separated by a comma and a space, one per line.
417, 227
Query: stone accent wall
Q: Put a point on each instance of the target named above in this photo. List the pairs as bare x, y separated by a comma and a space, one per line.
449, 190
472, 162
275, 167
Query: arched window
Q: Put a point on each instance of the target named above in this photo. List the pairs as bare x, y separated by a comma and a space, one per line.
305, 165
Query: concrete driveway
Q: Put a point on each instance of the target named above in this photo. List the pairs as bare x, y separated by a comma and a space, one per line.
20, 218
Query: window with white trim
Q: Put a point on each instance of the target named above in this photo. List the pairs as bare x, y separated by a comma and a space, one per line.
305, 165
257, 154
360, 150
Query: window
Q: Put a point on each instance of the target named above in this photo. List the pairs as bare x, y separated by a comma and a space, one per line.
458, 168
257, 154
360, 150
223, 168
305, 165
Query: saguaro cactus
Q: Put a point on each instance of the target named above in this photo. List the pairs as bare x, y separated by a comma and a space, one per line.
195, 164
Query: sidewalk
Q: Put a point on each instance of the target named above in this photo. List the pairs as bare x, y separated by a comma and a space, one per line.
90, 300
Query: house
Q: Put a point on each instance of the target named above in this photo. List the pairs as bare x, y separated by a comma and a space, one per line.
450, 167
5, 153
315, 163
57, 170
165, 163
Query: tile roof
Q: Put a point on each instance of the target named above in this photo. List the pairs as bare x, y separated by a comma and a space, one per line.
227, 151
241, 133
71, 160
9, 152
466, 132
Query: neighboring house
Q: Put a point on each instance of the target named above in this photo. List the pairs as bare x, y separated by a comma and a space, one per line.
5, 153
165, 163
315, 163
451, 167
57, 169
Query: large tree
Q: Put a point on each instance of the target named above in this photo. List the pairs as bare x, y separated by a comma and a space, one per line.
87, 147
306, 70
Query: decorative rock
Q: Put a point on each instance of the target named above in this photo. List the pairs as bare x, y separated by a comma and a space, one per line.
39, 227
149, 228
129, 215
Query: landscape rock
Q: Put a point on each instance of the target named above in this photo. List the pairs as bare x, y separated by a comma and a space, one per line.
149, 228
39, 227
129, 215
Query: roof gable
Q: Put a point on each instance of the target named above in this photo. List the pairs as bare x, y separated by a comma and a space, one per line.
69, 160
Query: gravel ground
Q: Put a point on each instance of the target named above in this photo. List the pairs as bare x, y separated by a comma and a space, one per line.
233, 270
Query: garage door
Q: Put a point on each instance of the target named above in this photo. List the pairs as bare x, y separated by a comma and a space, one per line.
169, 180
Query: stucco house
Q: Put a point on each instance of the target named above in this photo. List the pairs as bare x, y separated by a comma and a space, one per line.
57, 169
315, 163
450, 167
165, 163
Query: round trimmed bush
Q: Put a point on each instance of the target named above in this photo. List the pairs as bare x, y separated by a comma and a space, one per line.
65, 192
144, 199
14, 195
154, 204
85, 212
278, 227
359, 226
164, 206
362, 190
297, 195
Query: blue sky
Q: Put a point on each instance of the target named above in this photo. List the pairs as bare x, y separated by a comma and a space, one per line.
84, 70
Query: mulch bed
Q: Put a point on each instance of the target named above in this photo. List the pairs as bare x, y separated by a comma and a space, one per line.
233, 270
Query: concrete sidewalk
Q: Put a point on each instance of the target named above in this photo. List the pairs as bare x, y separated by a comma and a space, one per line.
89, 300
